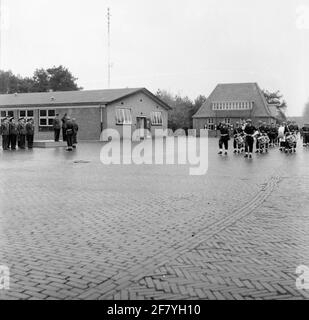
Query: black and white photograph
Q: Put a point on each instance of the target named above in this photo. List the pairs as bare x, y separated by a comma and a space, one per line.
154, 150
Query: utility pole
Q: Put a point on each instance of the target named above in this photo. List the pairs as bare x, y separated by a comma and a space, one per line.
109, 47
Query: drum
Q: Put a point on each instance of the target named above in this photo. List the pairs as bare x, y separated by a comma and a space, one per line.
291, 139
239, 140
262, 139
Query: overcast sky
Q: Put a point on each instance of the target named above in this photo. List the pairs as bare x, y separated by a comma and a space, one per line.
185, 46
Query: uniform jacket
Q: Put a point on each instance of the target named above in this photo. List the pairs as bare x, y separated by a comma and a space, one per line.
13, 128
5, 129
69, 127
30, 128
75, 128
22, 129
57, 124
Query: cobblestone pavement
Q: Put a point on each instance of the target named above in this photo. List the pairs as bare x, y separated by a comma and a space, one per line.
79, 230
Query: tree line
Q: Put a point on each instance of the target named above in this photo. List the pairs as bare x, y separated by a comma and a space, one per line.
61, 79
43, 80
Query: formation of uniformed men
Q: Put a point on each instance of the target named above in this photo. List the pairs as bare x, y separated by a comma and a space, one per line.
69, 130
265, 136
21, 133
17, 133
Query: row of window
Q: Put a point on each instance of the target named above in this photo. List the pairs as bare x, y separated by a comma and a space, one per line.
124, 117
46, 117
243, 105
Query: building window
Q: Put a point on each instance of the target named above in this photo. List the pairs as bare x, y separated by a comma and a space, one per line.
27, 114
123, 117
6, 114
227, 120
46, 118
156, 118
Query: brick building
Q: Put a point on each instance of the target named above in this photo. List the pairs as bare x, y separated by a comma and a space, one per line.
94, 110
234, 102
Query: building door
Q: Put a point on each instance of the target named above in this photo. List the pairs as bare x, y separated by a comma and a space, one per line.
141, 126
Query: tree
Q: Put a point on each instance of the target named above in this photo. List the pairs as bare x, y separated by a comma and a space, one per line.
180, 117
275, 98
55, 79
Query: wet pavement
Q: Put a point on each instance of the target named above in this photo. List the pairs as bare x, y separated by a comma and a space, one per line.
73, 228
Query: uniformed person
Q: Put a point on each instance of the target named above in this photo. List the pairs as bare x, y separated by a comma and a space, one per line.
64, 125
5, 132
224, 138
22, 133
272, 134
13, 133
57, 127
75, 131
69, 133
305, 134
237, 131
30, 133
250, 132
262, 130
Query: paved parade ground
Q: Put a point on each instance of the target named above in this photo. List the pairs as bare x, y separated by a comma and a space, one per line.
73, 228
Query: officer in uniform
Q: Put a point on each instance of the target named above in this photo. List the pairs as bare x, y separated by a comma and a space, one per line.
64, 126
30, 133
5, 132
75, 131
250, 132
57, 127
69, 133
22, 133
13, 133
224, 138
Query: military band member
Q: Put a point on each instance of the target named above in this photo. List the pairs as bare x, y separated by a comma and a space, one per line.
5, 132
237, 131
262, 129
22, 133
57, 127
13, 133
273, 134
305, 134
75, 131
224, 138
30, 133
250, 132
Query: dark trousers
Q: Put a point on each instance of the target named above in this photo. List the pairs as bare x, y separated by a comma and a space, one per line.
22, 141
13, 140
224, 141
74, 139
70, 141
5, 142
306, 138
9, 142
57, 134
64, 134
249, 144
30, 140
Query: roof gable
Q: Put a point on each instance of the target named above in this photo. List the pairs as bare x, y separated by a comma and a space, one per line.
235, 92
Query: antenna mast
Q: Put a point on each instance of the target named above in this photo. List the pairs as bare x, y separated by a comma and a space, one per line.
109, 47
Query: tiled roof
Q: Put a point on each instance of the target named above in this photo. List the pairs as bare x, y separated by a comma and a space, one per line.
235, 92
83, 97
